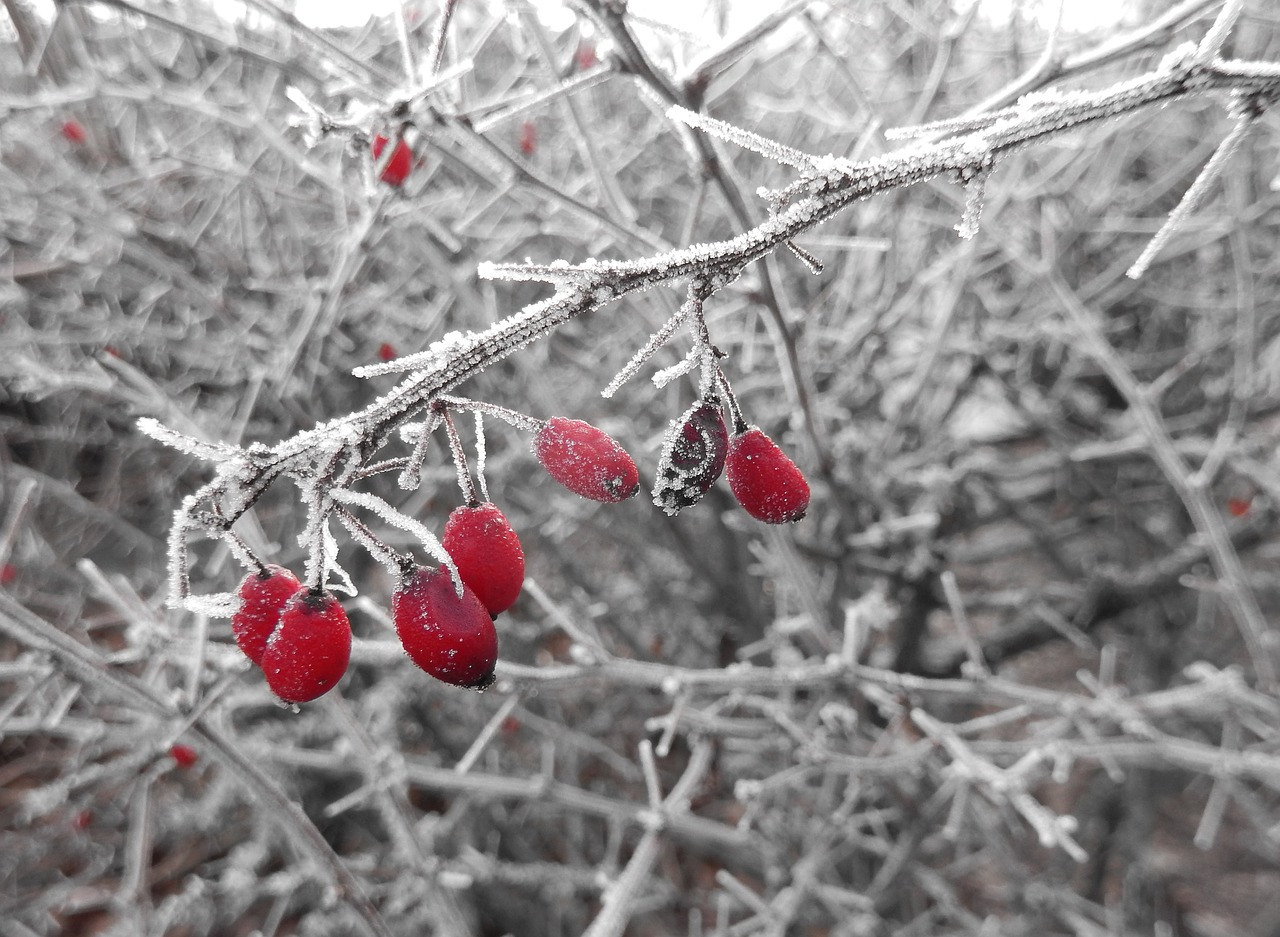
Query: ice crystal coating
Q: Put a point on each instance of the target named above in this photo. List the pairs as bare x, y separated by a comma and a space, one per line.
766, 483
693, 455
262, 598
309, 651
449, 636
586, 460
488, 554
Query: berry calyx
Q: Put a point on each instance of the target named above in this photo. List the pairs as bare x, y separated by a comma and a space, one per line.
262, 597
487, 552
693, 455
586, 460
184, 756
308, 652
450, 636
766, 483
398, 164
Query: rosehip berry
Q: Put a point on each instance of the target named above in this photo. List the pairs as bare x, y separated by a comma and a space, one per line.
585, 57
487, 551
262, 597
184, 756
528, 138
386, 351
398, 165
308, 652
73, 132
766, 483
586, 460
693, 455
1239, 507
449, 636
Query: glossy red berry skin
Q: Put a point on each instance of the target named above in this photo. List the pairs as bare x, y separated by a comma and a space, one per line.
488, 554
586, 460
184, 756
693, 457
449, 636
766, 483
73, 132
309, 650
399, 163
262, 598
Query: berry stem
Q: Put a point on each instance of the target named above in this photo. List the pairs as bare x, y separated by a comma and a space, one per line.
377, 548
739, 424
465, 481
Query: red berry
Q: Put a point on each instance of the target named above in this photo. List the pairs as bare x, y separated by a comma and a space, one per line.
83, 819
487, 551
183, 755
386, 351
693, 456
398, 165
8, 573
262, 598
528, 137
73, 132
765, 482
308, 652
1239, 507
585, 57
586, 460
449, 636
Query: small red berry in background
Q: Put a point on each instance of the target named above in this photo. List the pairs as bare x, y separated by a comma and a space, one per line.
398, 164
184, 756
309, 650
586, 460
528, 138
73, 132
111, 350
585, 57
262, 597
766, 483
82, 820
386, 351
488, 554
449, 636
8, 573
1239, 507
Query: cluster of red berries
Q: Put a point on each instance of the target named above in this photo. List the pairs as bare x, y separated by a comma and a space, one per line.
589, 462
301, 638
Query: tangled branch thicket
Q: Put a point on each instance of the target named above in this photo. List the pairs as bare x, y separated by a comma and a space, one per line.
1014, 673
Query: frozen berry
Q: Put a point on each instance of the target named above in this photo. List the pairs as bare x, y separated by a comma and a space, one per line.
766, 483
488, 554
73, 132
450, 636
184, 756
398, 164
586, 460
585, 57
693, 454
262, 597
528, 138
308, 652
8, 573
1239, 507
386, 351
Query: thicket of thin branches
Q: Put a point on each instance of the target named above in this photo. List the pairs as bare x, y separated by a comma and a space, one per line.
1006, 293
